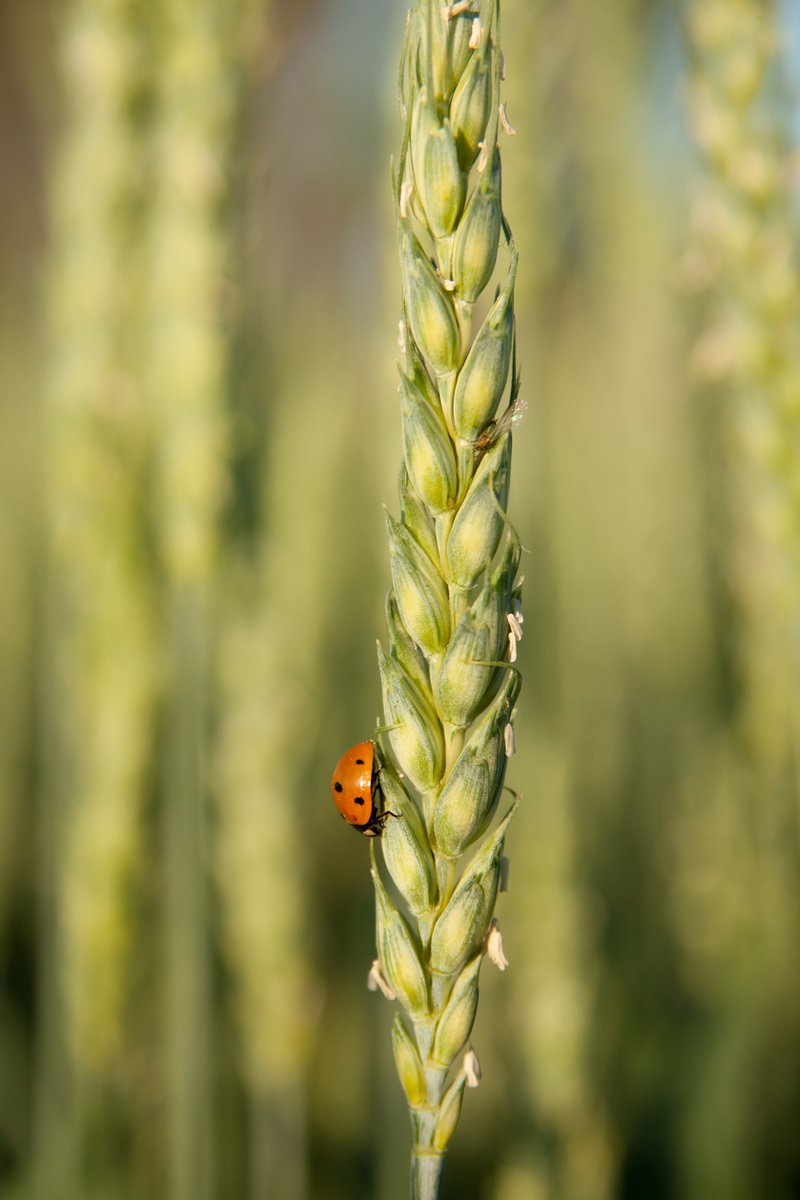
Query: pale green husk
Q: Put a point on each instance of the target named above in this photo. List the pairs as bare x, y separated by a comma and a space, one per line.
449, 688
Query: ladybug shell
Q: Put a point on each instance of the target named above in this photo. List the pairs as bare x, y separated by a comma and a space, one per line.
353, 786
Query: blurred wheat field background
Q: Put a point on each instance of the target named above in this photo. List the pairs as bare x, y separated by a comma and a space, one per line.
198, 428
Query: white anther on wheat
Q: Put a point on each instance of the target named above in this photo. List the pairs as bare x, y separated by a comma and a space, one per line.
376, 981
472, 1068
494, 945
504, 121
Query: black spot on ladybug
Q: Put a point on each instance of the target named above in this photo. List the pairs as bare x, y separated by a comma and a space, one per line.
337, 786
359, 762
358, 800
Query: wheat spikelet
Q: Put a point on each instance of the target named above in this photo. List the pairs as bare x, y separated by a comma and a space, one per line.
453, 617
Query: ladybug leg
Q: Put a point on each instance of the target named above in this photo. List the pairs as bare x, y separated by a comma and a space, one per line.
379, 821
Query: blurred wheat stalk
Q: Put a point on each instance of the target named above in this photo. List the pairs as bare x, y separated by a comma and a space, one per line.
274, 630
568, 103
137, 481
452, 618
101, 612
745, 265
198, 45
737, 896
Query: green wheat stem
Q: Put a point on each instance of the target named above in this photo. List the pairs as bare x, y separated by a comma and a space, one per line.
453, 613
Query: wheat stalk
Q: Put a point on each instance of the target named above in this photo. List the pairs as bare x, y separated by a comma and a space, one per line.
453, 617
195, 95
744, 264
103, 636
261, 887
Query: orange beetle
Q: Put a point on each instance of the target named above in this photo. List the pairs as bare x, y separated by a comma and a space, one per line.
356, 789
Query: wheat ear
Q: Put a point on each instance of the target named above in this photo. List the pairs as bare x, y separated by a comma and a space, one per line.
743, 265
103, 616
453, 614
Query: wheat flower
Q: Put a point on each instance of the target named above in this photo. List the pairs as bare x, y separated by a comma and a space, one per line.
449, 687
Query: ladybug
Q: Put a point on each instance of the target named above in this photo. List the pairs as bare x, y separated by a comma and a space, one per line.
356, 790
